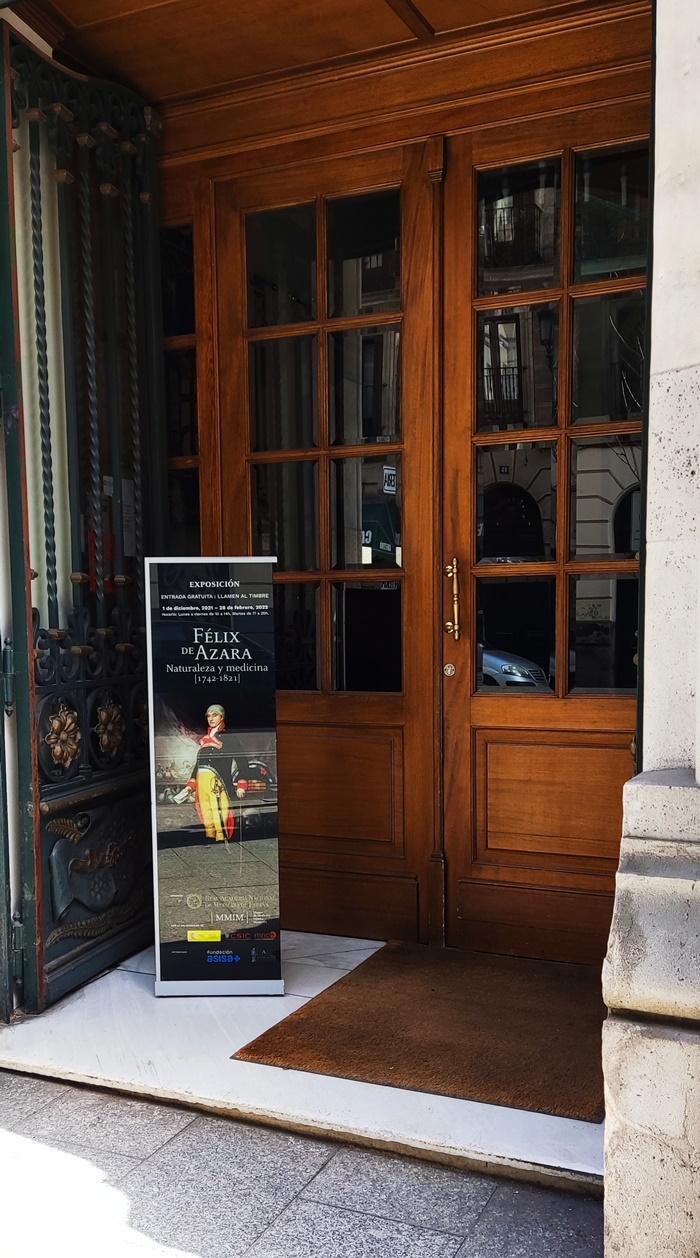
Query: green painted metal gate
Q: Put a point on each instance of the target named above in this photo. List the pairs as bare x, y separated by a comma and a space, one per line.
82, 407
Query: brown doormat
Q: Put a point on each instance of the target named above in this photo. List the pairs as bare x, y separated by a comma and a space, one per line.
482, 1028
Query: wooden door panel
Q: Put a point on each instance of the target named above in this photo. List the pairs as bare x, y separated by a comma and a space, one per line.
526, 870
341, 789
549, 794
334, 902
534, 922
596, 714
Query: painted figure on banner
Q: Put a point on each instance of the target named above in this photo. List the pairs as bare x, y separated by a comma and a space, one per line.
220, 773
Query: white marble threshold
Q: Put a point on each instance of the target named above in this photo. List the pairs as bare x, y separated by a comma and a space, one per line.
115, 1033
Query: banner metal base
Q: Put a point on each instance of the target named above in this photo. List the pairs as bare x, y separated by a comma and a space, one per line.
244, 987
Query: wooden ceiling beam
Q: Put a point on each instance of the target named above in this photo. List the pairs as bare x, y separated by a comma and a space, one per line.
413, 18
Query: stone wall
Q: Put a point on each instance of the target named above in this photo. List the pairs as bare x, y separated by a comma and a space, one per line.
670, 611
651, 979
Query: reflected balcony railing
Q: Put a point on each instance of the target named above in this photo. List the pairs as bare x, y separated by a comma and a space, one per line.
514, 236
501, 394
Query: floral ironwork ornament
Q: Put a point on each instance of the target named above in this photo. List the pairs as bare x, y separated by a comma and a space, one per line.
110, 728
64, 736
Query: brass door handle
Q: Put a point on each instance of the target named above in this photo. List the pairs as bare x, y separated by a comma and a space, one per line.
452, 626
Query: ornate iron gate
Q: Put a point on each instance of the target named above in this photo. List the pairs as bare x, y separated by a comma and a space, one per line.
85, 458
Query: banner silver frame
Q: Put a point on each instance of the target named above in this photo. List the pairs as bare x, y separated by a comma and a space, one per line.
190, 987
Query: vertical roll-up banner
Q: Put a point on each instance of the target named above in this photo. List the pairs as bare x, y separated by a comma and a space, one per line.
211, 678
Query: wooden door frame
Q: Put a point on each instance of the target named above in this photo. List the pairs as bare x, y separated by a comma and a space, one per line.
194, 196
219, 208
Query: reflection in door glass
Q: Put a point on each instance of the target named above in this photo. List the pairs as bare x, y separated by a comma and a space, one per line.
603, 618
518, 225
281, 265
282, 375
285, 512
296, 635
367, 636
366, 512
612, 208
609, 354
518, 363
515, 634
606, 497
364, 255
365, 385
516, 502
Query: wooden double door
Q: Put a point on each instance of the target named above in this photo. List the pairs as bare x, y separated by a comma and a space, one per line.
430, 373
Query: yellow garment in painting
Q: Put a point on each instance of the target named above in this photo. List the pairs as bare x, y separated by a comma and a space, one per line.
214, 805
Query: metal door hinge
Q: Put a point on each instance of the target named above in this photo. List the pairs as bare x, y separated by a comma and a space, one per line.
8, 676
17, 947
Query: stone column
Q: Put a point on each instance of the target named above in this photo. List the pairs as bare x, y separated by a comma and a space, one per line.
651, 976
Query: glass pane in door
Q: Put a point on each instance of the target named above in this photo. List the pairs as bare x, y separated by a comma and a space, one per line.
606, 497
367, 636
281, 265
181, 402
296, 635
364, 254
282, 381
516, 502
518, 227
603, 619
366, 512
612, 213
285, 513
365, 385
609, 355
517, 367
183, 511
515, 634
177, 273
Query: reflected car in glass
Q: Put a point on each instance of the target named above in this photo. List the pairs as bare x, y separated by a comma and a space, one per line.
512, 672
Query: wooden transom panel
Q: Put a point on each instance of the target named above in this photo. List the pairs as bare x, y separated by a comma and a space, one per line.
343, 784
549, 794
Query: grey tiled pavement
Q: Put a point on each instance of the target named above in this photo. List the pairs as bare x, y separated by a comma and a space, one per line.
195, 1186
